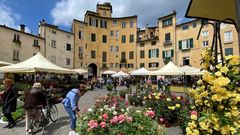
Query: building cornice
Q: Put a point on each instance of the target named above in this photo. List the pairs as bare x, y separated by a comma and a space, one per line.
169, 15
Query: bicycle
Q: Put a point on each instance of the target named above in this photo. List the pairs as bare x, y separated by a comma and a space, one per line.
40, 116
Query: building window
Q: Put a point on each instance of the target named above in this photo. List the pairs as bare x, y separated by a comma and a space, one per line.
185, 44
131, 55
153, 43
68, 61
104, 38
168, 37
131, 38
111, 48
54, 32
90, 21
117, 49
142, 65
167, 22
35, 42
153, 53
186, 61
131, 23
104, 13
153, 65
15, 55
117, 33
53, 59
205, 43
80, 35
111, 65
16, 37
130, 66
114, 22
194, 24
80, 52
111, 33
185, 27
53, 44
142, 44
68, 47
205, 34
93, 56
123, 39
142, 54
93, 37
228, 51
228, 36
104, 56
167, 54
116, 65
123, 24
103, 24
123, 55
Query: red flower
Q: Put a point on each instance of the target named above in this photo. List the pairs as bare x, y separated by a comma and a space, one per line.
194, 113
114, 120
121, 118
103, 124
129, 119
92, 124
105, 116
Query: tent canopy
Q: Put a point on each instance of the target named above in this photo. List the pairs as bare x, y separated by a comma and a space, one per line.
120, 74
37, 63
109, 72
213, 9
80, 71
169, 69
3, 63
191, 70
141, 71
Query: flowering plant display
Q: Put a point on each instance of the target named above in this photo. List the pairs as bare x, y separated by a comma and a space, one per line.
217, 98
169, 109
116, 118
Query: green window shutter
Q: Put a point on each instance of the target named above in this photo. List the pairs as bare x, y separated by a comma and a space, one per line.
149, 53
180, 45
157, 53
163, 54
172, 53
191, 43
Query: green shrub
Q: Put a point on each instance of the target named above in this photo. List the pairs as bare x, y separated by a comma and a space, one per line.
123, 92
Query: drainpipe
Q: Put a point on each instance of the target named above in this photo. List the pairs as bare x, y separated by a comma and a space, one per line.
237, 4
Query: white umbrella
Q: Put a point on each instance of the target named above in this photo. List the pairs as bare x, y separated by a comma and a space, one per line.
80, 71
3, 63
37, 63
120, 74
141, 71
169, 69
109, 72
190, 70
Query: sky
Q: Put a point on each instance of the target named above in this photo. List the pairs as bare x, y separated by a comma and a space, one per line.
62, 12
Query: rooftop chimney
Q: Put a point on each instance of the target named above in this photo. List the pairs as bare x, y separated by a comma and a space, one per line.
22, 27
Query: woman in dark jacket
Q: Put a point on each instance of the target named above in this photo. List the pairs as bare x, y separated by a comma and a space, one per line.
9, 101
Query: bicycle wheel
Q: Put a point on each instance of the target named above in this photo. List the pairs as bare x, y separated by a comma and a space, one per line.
35, 120
53, 113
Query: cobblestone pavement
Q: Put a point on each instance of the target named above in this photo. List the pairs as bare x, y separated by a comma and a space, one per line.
61, 127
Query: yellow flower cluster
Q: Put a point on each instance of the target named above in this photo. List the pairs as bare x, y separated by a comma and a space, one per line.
217, 97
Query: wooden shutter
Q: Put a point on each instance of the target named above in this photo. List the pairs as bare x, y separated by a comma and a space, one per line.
163, 54
180, 45
149, 53
191, 43
157, 53
172, 53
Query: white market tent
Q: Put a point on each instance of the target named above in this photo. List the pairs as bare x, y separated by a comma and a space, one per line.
169, 69
80, 71
3, 63
120, 74
109, 72
141, 71
191, 70
35, 64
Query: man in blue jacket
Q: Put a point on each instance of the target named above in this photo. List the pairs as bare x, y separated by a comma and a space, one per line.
70, 104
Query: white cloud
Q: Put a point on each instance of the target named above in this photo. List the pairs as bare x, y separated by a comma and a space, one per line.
148, 11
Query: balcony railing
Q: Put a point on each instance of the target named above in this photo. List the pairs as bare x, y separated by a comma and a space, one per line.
123, 61
167, 43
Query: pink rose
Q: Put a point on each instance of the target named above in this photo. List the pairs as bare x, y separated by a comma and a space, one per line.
150, 113
114, 120
129, 119
105, 116
194, 113
103, 124
92, 124
161, 120
121, 118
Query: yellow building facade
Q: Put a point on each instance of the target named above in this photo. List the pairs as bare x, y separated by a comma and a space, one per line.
178, 42
104, 42
59, 44
18, 45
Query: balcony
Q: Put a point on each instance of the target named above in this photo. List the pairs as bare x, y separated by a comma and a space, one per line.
123, 61
17, 41
36, 45
166, 43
